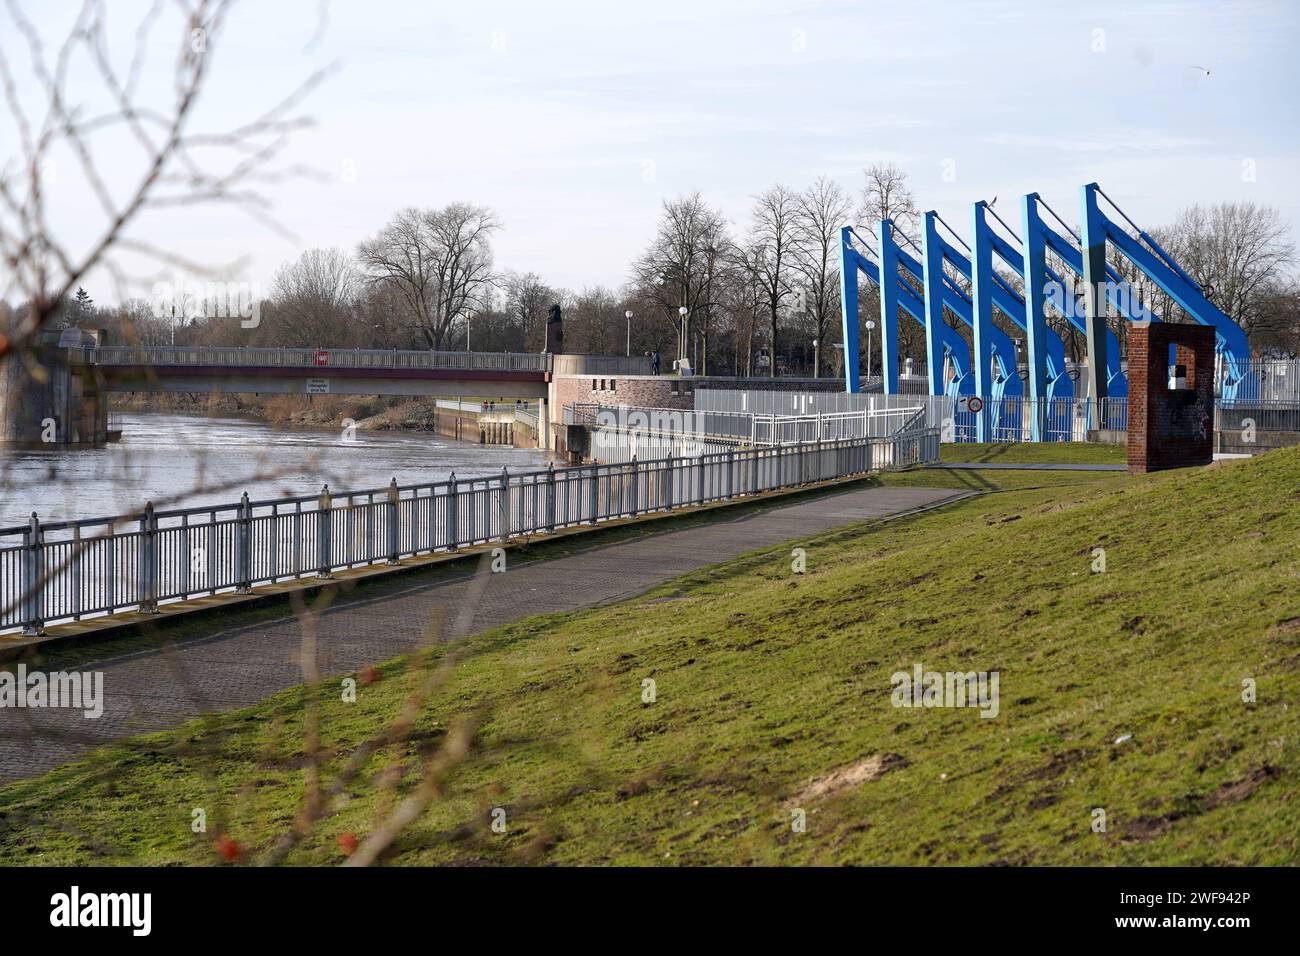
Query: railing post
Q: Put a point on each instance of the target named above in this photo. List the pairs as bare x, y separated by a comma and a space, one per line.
33, 583
731, 474
244, 547
392, 511
550, 497
636, 485
453, 526
668, 485
324, 532
505, 506
595, 491
149, 560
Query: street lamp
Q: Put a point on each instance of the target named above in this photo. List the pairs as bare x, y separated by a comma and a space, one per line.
870, 325
628, 316
816, 357
684, 337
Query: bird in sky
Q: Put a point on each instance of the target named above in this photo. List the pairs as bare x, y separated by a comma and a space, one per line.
1193, 66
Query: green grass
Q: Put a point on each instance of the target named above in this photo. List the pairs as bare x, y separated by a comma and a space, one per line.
1027, 453
766, 679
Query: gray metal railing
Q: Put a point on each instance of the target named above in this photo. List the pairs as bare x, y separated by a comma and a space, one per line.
648, 420
179, 356
573, 364
527, 415
835, 426
742, 427
67, 570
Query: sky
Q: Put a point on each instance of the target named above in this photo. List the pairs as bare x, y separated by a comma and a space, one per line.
575, 120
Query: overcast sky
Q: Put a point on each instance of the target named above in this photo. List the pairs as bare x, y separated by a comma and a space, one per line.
574, 120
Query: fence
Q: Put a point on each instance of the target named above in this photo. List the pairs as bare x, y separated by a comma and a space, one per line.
570, 364
67, 570
727, 426
162, 356
754, 401
527, 415
1269, 382
742, 427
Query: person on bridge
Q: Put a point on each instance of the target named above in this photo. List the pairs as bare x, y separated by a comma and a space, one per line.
654, 362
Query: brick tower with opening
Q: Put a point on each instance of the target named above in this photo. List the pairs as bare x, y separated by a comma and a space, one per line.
1170, 396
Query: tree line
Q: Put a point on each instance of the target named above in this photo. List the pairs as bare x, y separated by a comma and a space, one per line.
761, 297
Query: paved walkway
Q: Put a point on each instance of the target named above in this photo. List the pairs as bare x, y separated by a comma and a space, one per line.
148, 690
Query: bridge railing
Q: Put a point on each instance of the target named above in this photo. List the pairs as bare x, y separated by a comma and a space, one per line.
55, 571
379, 359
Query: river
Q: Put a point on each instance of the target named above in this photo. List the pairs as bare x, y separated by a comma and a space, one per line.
188, 460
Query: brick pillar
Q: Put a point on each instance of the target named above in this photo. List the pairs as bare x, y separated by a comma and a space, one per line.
1169, 428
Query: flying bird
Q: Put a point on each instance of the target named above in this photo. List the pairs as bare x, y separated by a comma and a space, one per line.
1193, 66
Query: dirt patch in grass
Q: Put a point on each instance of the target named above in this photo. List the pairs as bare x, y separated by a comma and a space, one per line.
850, 776
1238, 790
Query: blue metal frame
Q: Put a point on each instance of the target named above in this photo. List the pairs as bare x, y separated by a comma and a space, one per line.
893, 296
993, 373
1038, 238
1160, 268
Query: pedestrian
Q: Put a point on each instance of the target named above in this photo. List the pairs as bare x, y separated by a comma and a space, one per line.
654, 362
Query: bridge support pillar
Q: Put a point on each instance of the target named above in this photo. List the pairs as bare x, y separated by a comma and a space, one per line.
49, 397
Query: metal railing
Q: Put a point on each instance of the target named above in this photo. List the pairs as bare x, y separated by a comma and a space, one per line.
527, 415
178, 356
572, 364
836, 426
68, 570
742, 427
649, 420
1267, 382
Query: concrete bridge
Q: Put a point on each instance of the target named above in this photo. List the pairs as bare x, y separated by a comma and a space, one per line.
59, 395
319, 371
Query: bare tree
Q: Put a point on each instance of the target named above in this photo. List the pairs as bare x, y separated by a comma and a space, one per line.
315, 299
1238, 251
527, 301
886, 195
822, 210
771, 254
173, 166
676, 270
437, 261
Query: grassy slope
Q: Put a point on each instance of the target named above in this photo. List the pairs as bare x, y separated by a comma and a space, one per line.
766, 679
1058, 453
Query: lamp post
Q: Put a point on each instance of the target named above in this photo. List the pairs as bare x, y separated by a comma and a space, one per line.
816, 362
683, 336
628, 315
870, 325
